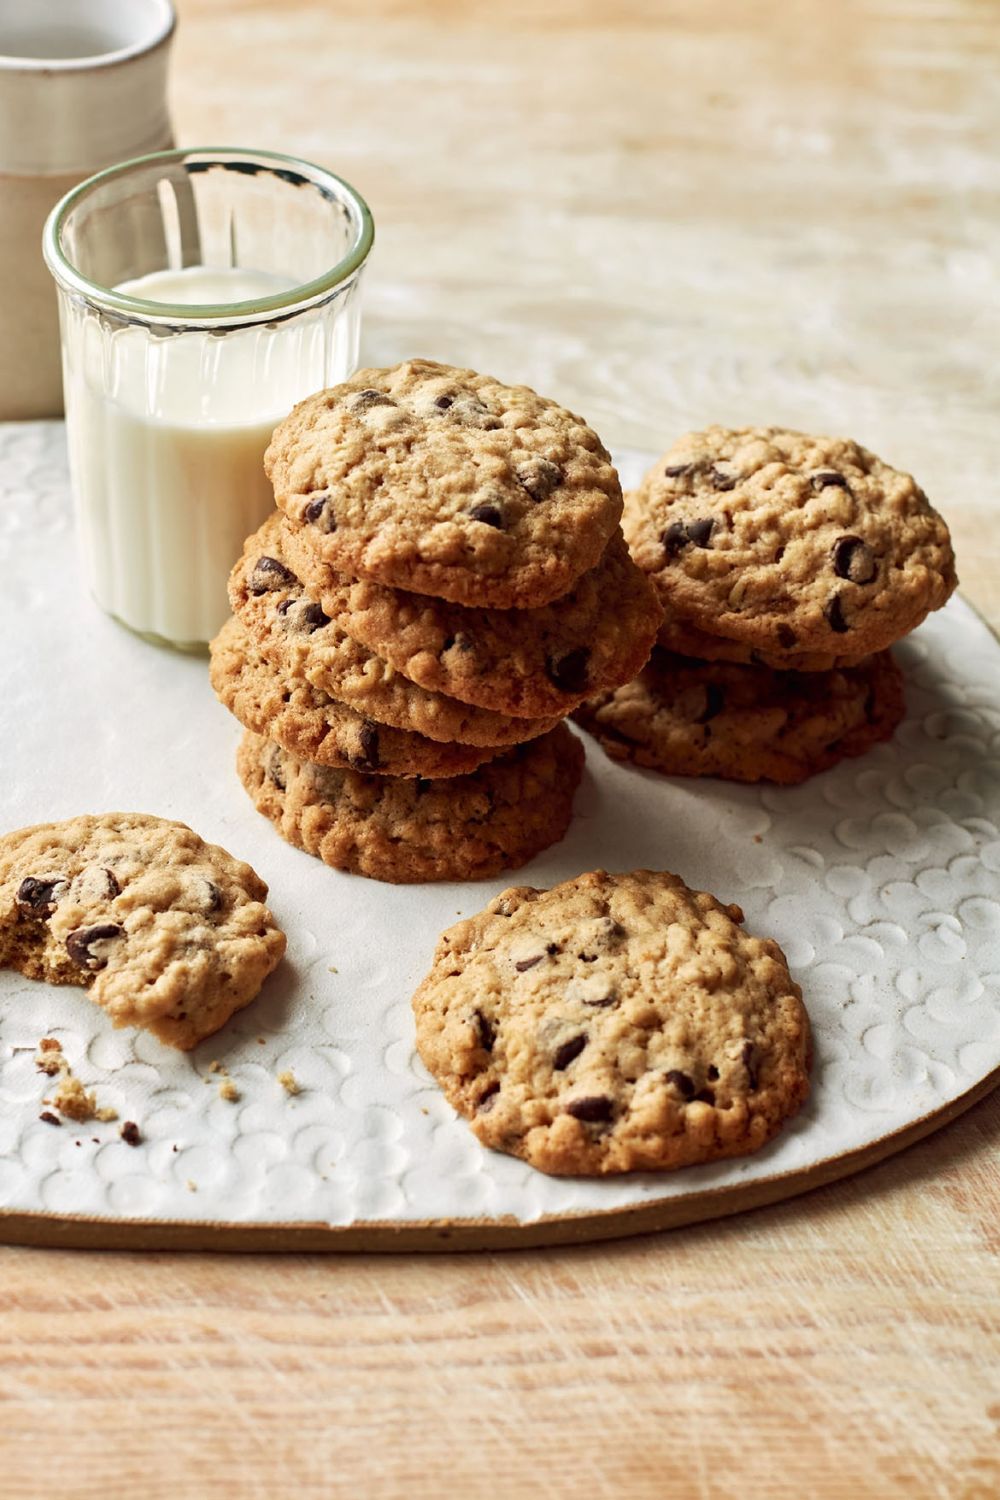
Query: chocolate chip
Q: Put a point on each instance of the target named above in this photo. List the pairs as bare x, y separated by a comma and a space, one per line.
539, 477
489, 514
704, 1096
681, 1082
674, 471
748, 1058
587, 958
786, 637
565, 1054
130, 1133
485, 1100
443, 402
834, 612
715, 700
213, 896
674, 538
569, 672
711, 1072
319, 512
364, 399
592, 1110
827, 478
311, 617
854, 559
275, 773
78, 944
602, 1004
721, 480
367, 758
524, 964
39, 894
49, 1117
679, 533
486, 1030
269, 574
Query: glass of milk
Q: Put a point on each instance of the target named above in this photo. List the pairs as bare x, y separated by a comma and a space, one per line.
201, 294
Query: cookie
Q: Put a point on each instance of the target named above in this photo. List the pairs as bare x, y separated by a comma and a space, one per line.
465, 828
697, 718
809, 551
305, 646
687, 640
527, 661
615, 1023
445, 482
312, 726
164, 930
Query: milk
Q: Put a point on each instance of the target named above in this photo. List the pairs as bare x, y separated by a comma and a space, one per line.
166, 439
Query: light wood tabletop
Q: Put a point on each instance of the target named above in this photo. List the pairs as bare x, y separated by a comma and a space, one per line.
664, 212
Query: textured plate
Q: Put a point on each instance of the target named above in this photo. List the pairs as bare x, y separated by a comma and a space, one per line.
881, 880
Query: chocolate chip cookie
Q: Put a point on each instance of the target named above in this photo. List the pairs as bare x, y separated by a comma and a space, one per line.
527, 661
164, 930
465, 828
615, 1023
698, 718
445, 482
808, 551
305, 646
311, 725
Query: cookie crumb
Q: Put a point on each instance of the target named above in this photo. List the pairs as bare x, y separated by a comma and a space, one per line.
50, 1118
71, 1099
333, 969
758, 838
228, 1091
49, 1057
192, 1187
289, 1082
261, 1041
216, 1067
130, 1133
75, 1102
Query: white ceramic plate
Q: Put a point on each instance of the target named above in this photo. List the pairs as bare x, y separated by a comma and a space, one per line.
880, 879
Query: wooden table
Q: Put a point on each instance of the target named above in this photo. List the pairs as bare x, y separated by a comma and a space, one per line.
664, 213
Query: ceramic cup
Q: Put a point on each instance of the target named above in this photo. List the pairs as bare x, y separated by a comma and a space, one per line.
82, 85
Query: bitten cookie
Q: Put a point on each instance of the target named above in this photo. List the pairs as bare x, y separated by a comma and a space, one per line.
615, 1023
808, 551
446, 482
164, 930
306, 647
311, 725
527, 661
465, 828
697, 718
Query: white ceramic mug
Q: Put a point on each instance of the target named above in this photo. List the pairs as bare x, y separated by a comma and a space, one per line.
83, 84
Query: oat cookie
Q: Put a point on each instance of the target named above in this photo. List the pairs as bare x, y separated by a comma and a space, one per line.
615, 1023
527, 661
313, 726
465, 828
292, 631
446, 482
809, 551
166, 931
698, 718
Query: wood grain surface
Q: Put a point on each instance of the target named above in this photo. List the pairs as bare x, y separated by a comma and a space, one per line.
665, 213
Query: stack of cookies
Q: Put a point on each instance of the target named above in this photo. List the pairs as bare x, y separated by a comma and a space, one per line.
444, 580
786, 565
